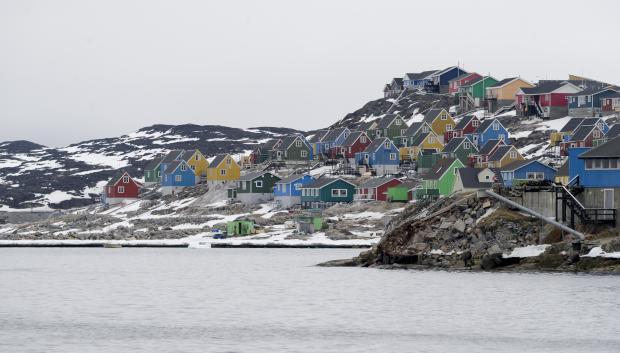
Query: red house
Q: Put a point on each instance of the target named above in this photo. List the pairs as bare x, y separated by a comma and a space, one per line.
122, 187
467, 125
357, 141
611, 103
375, 189
483, 155
455, 83
549, 99
584, 136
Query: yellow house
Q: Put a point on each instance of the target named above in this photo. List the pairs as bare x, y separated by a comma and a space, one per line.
503, 93
503, 156
223, 169
440, 121
197, 161
422, 141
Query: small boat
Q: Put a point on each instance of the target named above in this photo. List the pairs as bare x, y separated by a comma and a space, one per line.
112, 246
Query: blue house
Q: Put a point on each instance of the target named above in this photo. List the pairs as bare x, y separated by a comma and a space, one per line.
169, 158
334, 138
589, 102
177, 176
519, 172
439, 80
316, 144
287, 192
381, 155
417, 81
489, 129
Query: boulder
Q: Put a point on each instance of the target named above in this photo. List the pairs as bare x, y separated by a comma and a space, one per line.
459, 226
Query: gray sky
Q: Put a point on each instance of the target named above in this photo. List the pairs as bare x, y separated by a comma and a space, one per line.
75, 70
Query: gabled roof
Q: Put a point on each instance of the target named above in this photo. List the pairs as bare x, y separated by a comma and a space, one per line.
419, 138
590, 121
289, 140
489, 146
484, 126
332, 135
582, 132
454, 144
610, 149
613, 131
375, 182
353, 136
478, 79
173, 166
572, 124
414, 128
154, 163
376, 144
469, 178
318, 136
117, 176
440, 168
595, 90
270, 145
187, 155
614, 95
502, 82
366, 125
544, 87
322, 182
500, 153
431, 115
520, 164
464, 121
441, 72
254, 175
460, 77
291, 178
217, 160
387, 121
420, 75
171, 156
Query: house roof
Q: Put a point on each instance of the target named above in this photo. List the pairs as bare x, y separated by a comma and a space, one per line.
594, 90
543, 87
590, 121
613, 131
269, 145
582, 132
366, 125
187, 155
502, 82
375, 182
171, 156
318, 136
610, 149
291, 178
463, 122
460, 77
333, 134
154, 163
441, 72
419, 138
414, 128
440, 168
386, 121
353, 136
478, 79
488, 147
253, 175
173, 166
519, 164
420, 75
469, 178
217, 160
322, 182
430, 116
288, 141
376, 144
484, 125
454, 144
500, 152
572, 124
116, 177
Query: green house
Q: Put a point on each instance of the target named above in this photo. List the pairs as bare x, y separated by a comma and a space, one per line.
402, 192
152, 171
254, 187
472, 94
240, 227
325, 192
391, 126
292, 148
459, 147
310, 222
426, 159
414, 130
440, 180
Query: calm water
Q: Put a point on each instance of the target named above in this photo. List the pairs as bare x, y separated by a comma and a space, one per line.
255, 300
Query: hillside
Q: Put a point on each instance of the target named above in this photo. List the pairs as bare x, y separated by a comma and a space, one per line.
34, 176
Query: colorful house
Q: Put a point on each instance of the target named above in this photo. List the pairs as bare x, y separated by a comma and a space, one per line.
426, 159
356, 142
522, 171
334, 138
375, 189
610, 104
467, 125
547, 100
584, 136
198, 163
481, 158
403, 192
502, 94
412, 131
394, 88
561, 175
439, 81
566, 131
440, 121
223, 169
589, 101
121, 188
457, 82
240, 227
440, 180
474, 179
254, 187
177, 176
489, 129
391, 126
471, 94
169, 158
294, 148
326, 192
461, 148
381, 157
504, 155
422, 141
264, 151
152, 171
417, 81
287, 191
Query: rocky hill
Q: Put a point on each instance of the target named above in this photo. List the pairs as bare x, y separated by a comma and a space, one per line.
34, 176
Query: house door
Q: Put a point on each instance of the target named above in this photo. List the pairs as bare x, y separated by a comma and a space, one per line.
608, 198
279, 155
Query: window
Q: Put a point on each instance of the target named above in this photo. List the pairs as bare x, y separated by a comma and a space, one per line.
466, 145
581, 100
222, 171
178, 178
228, 161
193, 167
243, 185
475, 123
159, 173
456, 171
603, 163
121, 189
597, 134
501, 137
125, 180
535, 175
304, 153
392, 156
425, 129
339, 192
404, 141
298, 143
431, 139
448, 127
398, 122
258, 183
183, 167
495, 125
326, 145
297, 186
197, 157
444, 116
366, 156
363, 139
387, 145
513, 154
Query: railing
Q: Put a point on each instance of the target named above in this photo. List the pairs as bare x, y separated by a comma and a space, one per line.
364, 197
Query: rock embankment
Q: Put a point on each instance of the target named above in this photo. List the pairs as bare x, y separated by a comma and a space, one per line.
469, 233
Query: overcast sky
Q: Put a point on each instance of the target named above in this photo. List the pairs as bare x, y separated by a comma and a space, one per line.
76, 70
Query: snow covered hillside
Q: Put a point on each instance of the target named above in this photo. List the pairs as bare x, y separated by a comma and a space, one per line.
34, 176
